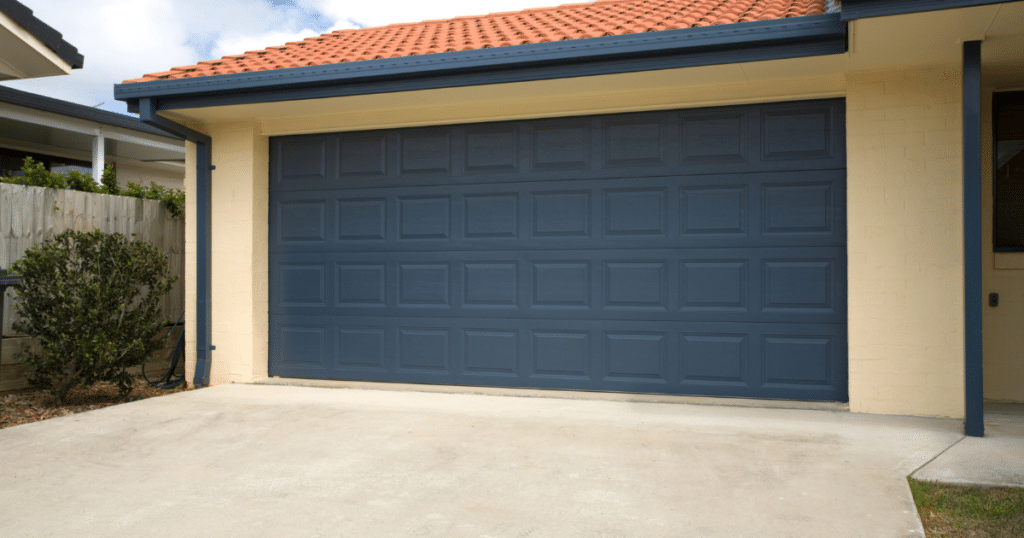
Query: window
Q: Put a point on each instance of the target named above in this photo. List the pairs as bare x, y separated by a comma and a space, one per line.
1008, 179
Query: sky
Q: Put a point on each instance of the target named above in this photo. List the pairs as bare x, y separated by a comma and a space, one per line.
125, 39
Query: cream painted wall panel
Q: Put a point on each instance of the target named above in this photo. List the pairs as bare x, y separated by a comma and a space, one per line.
190, 262
905, 242
239, 253
1002, 273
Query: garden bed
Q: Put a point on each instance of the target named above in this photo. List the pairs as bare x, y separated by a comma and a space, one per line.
27, 405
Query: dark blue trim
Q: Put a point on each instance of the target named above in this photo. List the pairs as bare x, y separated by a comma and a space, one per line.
730, 43
974, 423
204, 158
863, 9
53, 39
73, 110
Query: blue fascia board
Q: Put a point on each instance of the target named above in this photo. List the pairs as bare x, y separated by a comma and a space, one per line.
49, 37
864, 9
728, 43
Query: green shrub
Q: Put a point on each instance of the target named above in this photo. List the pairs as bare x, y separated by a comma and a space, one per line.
93, 301
172, 199
36, 175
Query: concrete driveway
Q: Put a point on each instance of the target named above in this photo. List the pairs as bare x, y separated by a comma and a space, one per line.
280, 461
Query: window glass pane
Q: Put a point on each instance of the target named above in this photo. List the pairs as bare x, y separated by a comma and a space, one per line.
1008, 193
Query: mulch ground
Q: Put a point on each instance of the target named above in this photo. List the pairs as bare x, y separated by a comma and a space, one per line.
27, 405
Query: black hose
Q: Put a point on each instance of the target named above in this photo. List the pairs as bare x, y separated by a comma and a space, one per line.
170, 380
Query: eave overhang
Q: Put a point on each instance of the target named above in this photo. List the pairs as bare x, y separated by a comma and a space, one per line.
30, 48
814, 35
864, 9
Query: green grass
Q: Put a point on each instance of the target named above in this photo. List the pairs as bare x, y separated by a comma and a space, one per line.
962, 512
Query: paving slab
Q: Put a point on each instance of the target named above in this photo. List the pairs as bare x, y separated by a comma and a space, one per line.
308, 462
995, 460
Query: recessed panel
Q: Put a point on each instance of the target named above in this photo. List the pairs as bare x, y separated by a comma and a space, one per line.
302, 345
713, 210
713, 285
561, 285
561, 214
635, 356
635, 212
713, 357
490, 285
491, 352
561, 146
425, 218
425, 153
302, 284
423, 349
794, 134
423, 285
362, 219
562, 354
800, 285
363, 156
492, 216
360, 285
713, 139
634, 142
303, 159
800, 360
635, 286
492, 149
361, 348
301, 221
794, 209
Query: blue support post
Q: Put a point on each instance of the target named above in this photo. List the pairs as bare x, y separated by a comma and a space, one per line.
974, 420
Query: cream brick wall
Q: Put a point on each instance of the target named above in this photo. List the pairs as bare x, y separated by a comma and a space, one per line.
905, 236
190, 262
239, 257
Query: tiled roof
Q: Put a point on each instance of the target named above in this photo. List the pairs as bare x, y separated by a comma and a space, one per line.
569, 21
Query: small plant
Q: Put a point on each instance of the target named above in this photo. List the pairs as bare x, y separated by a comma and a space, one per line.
172, 199
93, 301
36, 175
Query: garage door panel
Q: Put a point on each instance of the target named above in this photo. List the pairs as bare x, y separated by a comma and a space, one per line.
726, 140
776, 209
752, 285
729, 359
683, 252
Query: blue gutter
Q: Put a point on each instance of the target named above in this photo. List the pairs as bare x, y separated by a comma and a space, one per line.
974, 396
204, 158
864, 9
796, 37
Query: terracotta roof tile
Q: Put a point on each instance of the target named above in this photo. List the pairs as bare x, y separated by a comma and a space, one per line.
542, 25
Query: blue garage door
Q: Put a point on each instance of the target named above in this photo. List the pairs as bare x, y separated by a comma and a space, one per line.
683, 252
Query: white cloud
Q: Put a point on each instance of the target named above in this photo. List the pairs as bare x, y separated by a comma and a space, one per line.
120, 39
125, 39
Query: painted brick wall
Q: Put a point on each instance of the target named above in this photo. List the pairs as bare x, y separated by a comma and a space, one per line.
906, 318
239, 253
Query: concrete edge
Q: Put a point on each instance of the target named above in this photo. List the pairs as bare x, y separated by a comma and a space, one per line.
563, 394
968, 483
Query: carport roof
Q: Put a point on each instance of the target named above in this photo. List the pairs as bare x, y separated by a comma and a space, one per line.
531, 26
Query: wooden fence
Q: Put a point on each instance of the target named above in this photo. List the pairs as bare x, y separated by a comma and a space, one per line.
29, 215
